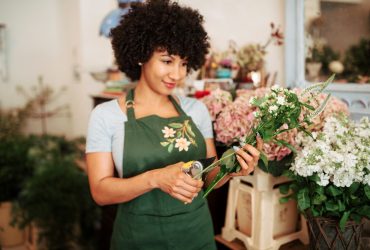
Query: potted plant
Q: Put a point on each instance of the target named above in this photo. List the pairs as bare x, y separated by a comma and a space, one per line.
14, 170
56, 199
331, 183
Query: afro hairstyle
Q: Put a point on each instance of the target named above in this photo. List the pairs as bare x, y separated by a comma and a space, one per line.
159, 25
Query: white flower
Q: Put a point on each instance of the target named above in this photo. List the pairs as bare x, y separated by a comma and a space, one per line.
253, 100
182, 144
273, 108
281, 100
168, 132
256, 114
339, 155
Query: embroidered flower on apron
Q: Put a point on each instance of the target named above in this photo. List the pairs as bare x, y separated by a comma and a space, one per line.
178, 135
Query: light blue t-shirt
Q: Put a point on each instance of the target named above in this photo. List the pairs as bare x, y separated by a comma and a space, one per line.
107, 125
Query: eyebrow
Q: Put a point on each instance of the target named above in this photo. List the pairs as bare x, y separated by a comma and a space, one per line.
172, 56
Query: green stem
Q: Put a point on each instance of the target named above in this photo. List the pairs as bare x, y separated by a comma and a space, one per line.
210, 167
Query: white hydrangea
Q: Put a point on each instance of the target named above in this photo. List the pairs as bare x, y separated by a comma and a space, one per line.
340, 154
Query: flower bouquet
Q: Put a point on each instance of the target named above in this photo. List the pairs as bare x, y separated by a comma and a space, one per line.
279, 111
331, 175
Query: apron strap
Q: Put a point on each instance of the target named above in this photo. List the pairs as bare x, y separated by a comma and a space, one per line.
130, 105
177, 105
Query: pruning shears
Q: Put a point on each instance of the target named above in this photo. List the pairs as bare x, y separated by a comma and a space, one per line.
193, 168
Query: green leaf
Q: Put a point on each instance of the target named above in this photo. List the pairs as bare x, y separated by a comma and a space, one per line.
318, 199
354, 187
178, 134
164, 143
221, 174
331, 205
303, 199
170, 148
367, 191
284, 188
285, 144
175, 125
228, 162
341, 206
188, 129
364, 211
344, 220
285, 199
333, 191
264, 159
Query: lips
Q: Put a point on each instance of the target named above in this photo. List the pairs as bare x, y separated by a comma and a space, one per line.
170, 85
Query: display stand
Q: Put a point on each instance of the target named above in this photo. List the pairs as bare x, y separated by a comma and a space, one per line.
255, 216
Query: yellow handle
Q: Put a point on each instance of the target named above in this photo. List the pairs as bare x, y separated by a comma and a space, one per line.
187, 165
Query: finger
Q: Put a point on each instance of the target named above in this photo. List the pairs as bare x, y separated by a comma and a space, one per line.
193, 182
248, 158
193, 188
183, 192
259, 142
182, 198
253, 151
246, 168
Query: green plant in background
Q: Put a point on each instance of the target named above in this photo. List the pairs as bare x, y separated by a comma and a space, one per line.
357, 63
326, 56
14, 165
57, 199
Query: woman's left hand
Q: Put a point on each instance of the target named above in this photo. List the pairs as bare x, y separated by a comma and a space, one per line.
248, 157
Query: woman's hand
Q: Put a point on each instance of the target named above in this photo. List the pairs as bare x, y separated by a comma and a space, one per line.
248, 157
176, 183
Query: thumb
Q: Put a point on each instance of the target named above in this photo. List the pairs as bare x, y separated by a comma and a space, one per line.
259, 142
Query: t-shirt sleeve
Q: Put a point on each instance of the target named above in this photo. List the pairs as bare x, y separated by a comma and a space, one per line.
204, 121
98, 138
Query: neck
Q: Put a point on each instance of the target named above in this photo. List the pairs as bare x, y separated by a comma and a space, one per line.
146, 96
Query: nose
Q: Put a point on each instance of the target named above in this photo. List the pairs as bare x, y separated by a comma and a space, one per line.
177, 72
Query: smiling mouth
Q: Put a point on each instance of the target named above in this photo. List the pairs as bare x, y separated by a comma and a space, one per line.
170, 85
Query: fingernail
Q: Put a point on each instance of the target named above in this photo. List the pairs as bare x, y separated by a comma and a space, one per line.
196, 195
236, 148
258, 135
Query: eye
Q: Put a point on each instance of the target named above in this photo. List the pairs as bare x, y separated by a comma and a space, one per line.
165, 61
185, 64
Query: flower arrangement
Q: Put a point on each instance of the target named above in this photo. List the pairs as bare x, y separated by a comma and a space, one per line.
278, 111
331, 175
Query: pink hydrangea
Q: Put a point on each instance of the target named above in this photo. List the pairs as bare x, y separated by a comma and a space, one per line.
334, 106
217, 101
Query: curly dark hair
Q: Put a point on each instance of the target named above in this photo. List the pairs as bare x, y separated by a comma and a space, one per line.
159, 24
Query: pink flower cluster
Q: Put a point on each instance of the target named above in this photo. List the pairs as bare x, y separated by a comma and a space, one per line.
216, 101
334, 106
237, 118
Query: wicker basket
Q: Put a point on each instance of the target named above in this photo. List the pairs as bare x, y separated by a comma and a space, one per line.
325, 234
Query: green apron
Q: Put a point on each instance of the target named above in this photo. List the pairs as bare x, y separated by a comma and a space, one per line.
155, 220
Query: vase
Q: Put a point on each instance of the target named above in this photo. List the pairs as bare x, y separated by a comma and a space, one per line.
255, 216
9, 235
325, 234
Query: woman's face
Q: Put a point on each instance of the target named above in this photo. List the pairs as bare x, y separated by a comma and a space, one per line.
163, 72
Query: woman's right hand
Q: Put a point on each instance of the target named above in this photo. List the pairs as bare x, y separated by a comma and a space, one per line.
176, 183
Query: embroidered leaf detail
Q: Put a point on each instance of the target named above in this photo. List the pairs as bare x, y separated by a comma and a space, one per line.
178, 134
175, 125
170, 148
164, 143
188, 129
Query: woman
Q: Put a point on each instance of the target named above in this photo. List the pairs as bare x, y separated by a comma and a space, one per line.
148, 134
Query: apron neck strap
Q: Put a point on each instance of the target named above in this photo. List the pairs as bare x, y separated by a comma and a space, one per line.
130, 105
177, 106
